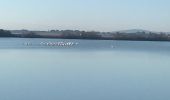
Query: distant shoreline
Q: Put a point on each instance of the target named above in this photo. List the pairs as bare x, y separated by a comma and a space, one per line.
83, 35
85, 39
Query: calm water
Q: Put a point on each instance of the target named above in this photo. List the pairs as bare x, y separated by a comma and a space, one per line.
89, 70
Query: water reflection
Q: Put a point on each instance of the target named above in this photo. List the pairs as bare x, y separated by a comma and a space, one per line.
78, 74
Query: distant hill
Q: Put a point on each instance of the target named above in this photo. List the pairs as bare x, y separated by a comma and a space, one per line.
136, 31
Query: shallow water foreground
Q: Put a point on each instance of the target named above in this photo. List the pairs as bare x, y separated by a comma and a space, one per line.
79, 74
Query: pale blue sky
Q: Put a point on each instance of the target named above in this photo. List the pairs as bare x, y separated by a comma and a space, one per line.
99, 15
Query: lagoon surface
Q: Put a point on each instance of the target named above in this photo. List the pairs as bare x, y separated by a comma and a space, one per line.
88, 70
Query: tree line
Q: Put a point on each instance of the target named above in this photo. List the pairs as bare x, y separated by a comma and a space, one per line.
5, 33
76, 34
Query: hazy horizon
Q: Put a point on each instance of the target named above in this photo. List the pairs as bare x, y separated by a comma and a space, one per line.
88, 15
127, 30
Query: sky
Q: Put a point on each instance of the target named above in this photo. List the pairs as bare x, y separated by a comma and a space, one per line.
88, 15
